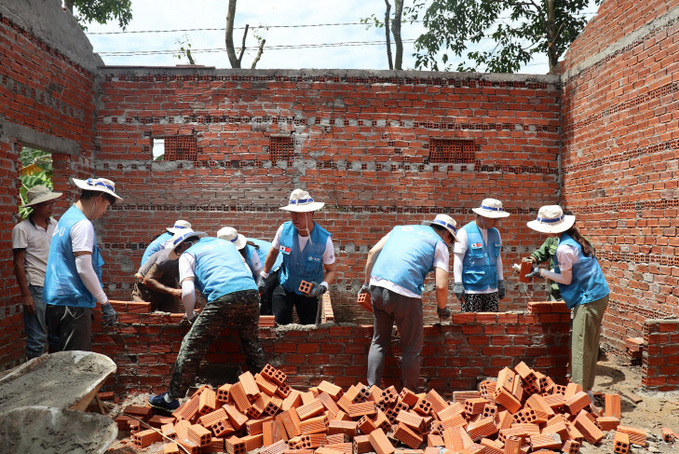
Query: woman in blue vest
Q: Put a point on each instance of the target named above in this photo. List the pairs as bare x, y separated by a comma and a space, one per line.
308, 255
583, 287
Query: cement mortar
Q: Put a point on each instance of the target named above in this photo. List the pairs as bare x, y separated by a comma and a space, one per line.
62, 380
39, 430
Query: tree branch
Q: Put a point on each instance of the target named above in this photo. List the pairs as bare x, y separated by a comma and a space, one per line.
259, 53
242, 49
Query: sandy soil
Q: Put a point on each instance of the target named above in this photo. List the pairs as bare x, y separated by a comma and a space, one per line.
615, 375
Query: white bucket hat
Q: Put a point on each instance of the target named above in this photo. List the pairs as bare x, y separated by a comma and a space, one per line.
231, 234
39, 194
444, 221
183, 235
301, 202
98, 184
552, 220
180, 225
491, 208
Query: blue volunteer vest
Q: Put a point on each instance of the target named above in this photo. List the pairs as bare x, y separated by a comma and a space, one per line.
588, 284
63, 286
263, 251
220, 269
299, 265
479, 267
407, 256
155, 246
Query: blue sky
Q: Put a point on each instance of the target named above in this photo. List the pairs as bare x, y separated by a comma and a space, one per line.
201, 23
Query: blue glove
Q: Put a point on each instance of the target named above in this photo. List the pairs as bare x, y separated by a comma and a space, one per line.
534, 271
109, 314
458, 290
501, 290
316, 289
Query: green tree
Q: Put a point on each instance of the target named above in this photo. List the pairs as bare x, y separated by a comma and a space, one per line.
520, 29
101, 11
392, 26
36, 168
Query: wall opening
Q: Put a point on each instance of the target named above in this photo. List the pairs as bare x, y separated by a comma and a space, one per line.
452, 151
36, 169
281, 148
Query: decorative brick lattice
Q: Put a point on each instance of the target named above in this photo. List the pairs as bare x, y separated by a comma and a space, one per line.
452, 151
181, 148
281, 148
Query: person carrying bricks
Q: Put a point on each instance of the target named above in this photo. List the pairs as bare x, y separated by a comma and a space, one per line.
477, 263
73, 275
583, 288
394, 277
254, 253
30, 248
216, 268
163, 240
308, 257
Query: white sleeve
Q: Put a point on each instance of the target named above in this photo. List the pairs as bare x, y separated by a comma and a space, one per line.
82, 236
329, 253
256, 263
189, 297
187, 266
459, 250
276, 243
566, 255
442, 257
83, 263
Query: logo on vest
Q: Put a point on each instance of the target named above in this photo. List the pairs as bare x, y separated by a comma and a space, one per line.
285, 249
477, 245
313, 259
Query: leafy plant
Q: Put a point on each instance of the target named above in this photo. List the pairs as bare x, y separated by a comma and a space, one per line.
36, 168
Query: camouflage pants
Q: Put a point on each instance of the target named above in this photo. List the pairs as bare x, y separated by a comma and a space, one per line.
480, 302
237, 309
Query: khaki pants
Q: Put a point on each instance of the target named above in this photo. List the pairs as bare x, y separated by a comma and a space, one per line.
585, 341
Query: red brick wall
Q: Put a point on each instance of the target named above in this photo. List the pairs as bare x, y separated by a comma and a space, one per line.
46, 101
455, 356
661, 355
360, 144
620, 156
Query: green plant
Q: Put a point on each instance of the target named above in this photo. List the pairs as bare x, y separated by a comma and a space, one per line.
36, 169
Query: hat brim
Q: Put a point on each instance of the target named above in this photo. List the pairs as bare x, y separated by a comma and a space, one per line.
198, 235
240, 242
174, 230
303, 208
82, 184
452, 232
43, 199
556, 227
490, 214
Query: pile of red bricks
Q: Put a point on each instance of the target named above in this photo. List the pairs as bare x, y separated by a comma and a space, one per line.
522, 411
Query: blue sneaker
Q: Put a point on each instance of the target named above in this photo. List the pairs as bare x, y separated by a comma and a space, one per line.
163, 402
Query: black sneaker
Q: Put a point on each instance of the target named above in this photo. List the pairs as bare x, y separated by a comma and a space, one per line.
162, 402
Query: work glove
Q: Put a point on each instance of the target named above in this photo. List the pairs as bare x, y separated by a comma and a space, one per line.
458, 290
316, 289
444, 314
534, 271
261, 285
501, 290
109, 314
365, 288
189, 321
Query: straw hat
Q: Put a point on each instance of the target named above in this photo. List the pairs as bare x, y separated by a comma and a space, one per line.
301, 202
444, 221
552, 220
39, 194
231, 234
491, 208
98, 184
180, 225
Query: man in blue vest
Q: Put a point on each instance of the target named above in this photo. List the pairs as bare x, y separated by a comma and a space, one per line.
308, 255
254, 252
73, 275
477, 263
215, 267
394, 276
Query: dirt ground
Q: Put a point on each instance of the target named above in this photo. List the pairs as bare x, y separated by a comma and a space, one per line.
615, 375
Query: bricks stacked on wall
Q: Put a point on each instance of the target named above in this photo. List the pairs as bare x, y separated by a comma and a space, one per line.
361, 143
47, 103
620, 163
454, 357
